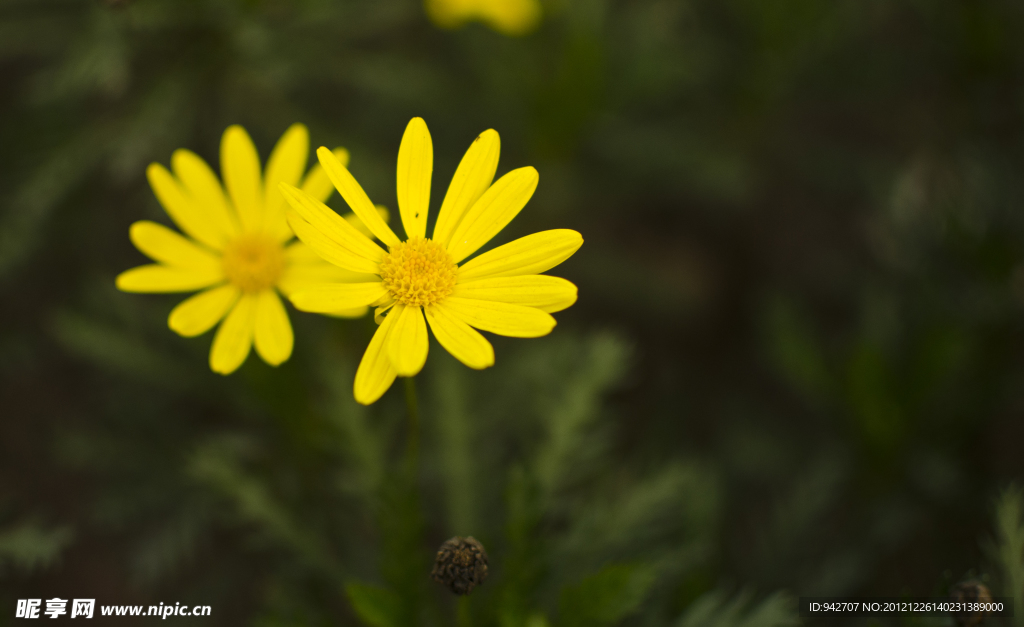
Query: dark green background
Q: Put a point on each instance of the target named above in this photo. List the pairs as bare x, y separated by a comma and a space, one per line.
801, 307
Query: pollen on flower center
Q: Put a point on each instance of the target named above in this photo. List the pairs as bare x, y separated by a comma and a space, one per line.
418, 272
253, 262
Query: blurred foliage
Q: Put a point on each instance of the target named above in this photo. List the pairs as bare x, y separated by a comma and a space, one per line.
804, 217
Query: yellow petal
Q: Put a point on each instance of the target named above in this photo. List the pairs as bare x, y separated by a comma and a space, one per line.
286, 164
356, 198
305, 268
492, 212
185, 212
198, 314
375, 374
327, 248
381, 307
501, 318
332, 226
358, 312
448, 13
511, 17
547, 293
331, 297
532, 254
415, 166
458, 338
472, 178
160, 243
354, 220
233, 340
317, 184
240, 166
204, 188
297, 277
407, 342
273, 332
158, 278
299, 253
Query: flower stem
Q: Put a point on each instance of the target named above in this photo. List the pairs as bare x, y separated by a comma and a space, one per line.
413, 436
462, 612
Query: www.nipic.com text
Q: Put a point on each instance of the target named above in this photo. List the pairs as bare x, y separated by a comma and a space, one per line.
85, 608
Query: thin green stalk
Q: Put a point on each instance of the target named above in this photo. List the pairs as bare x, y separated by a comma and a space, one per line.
462, 618
413, 441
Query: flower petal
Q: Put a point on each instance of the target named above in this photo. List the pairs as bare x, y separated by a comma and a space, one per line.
446, 13
547, 293
158, 278
305, 268
317, 184
501, 318
160, 243
512, 17
381, 307
331, 297
375, 374
354, 220
415, 167
331, 225
185, 211
273, 332
233, 340
198, 314
407, 342
286, 164
532, 254
461, 340
327, 248
356, 198
358, 312
240, 167
472, 178
492, 212
204, 188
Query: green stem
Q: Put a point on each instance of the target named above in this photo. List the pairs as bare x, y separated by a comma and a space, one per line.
413, 442
462, 618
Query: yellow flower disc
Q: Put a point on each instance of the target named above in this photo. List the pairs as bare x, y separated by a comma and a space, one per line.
418, 272
253, 262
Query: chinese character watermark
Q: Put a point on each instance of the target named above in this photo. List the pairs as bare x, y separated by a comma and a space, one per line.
82, 607
55, 607
28, 608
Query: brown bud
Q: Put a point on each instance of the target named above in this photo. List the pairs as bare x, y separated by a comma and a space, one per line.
461, 564
969, 592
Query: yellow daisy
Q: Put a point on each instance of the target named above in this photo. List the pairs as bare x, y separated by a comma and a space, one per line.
509, 17
500, 291
237, 250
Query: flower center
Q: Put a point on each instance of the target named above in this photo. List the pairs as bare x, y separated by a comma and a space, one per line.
253, 262
418, 272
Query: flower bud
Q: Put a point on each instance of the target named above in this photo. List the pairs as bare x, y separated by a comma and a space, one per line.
461, 564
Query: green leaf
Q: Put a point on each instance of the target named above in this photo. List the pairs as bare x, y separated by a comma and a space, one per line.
714, 609
797, 352
1009, 551
570, 417
605, 597
30, 547
375, 606
523, 561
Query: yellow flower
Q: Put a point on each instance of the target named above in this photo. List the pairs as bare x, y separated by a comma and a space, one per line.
239, 253
500, 291
509, 17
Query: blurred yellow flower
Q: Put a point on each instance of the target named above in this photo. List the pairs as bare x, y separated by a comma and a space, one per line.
500, 291
509, 17
237, 250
